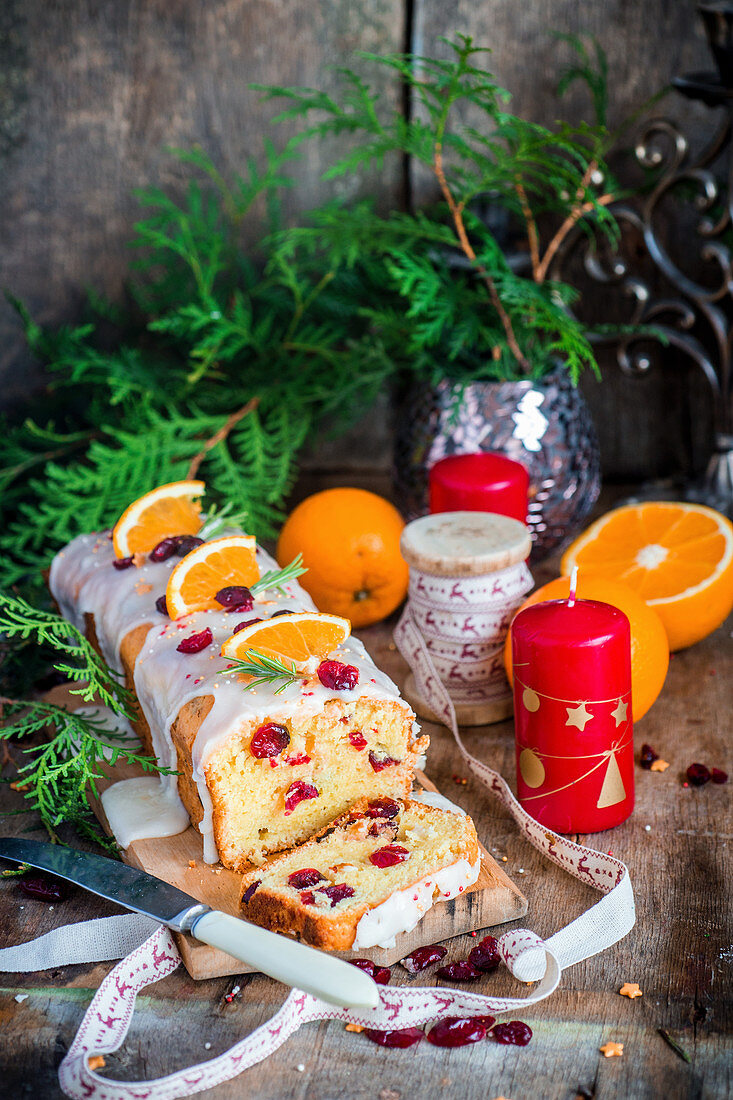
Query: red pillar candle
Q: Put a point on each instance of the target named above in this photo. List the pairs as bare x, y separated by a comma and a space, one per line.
572, 713
479, 483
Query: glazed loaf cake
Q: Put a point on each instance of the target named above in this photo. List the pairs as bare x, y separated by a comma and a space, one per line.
366, 877
248, 797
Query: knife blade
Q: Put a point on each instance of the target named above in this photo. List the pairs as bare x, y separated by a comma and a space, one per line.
286, 960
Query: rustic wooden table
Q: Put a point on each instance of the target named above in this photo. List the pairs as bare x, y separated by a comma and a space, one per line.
676, 845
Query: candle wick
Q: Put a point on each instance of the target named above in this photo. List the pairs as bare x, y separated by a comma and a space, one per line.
573, 586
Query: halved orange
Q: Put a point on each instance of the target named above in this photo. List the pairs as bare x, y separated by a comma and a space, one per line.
172, 509
677, 556
296, 637
218, 564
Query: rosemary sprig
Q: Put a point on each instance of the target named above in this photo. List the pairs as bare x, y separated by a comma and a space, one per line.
265, 670
222, 519
277, 578
674, 1045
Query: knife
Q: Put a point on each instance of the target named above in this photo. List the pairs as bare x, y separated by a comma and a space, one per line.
288, 961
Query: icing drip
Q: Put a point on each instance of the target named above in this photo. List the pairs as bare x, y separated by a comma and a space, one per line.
83, 580
432, 798
380, 926
139, 809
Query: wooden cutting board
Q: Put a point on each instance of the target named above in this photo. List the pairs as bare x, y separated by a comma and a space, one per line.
493, 899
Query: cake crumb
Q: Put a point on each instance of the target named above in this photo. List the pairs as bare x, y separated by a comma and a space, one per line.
96, 1062
389, 1094
300, 1067
20, 997
192, 863
647, 828
207, 1046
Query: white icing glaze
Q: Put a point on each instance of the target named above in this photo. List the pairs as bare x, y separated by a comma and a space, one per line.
380, 926
432, 798
138, 809
83, 579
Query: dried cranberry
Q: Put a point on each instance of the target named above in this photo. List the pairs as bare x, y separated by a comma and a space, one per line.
122, 563
249, 892
308, 876
405, 1037
381, 760
698, 775
456, 1031
514, 1033
424, 956
485, 955
297, 792
247, 622
718, 775
383, 807
235, 597
194, 643
43, 887
187, 543
389, 856
282, 611
269, 740
299, 758
165, 549
462, 971
647, 756
161, 605
306, 898
380, 974
337, 892
338, 676
357, 739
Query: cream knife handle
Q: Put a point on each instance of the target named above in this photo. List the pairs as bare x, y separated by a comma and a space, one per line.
288, 961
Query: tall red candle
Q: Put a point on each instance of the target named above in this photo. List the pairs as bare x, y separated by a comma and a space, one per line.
479, 483
572, 713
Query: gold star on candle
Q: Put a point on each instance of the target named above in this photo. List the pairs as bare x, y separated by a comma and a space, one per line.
578, 716
612, 1050
619, 714
630, 990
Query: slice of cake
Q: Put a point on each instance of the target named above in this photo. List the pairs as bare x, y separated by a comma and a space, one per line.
260, 768
367, 876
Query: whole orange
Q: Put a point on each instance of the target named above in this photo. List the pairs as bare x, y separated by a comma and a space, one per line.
350, 542
649, 645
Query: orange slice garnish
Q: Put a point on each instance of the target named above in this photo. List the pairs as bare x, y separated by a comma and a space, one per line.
197, 578
173, 509
296, 637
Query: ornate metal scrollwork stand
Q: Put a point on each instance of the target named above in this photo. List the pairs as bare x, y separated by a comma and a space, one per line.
694, 317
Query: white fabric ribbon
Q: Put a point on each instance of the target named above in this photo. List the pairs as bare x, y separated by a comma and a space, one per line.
107, 1020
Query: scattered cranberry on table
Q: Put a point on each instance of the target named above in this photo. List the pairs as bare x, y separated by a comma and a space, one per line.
380, 974
457, 1031
485, 955
698, 775
462, 971
513, 1033
194, 643
423, 957
269, 740
647, 756
403, 1038
717, 775
337, 676
43, 888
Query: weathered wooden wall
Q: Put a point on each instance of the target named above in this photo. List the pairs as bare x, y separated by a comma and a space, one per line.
91, 92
